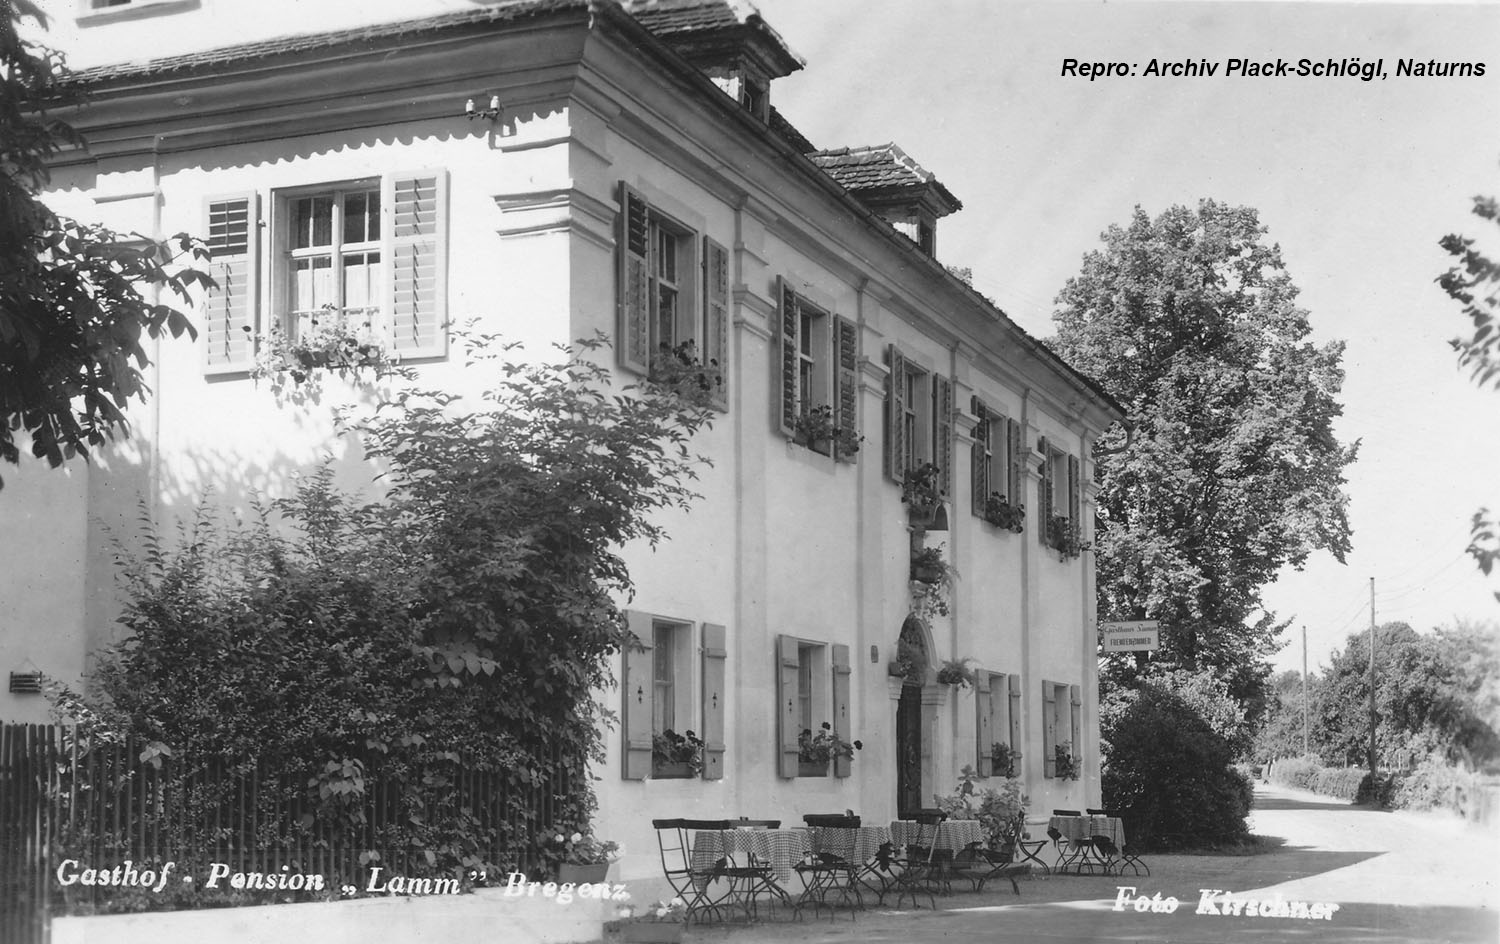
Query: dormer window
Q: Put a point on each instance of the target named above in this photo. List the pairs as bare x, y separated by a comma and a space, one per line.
755, 97
925, 238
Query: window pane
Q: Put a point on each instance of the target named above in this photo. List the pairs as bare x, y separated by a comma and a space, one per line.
666, 317
312, 285
663, 695
363, 277
804, 687
666, 256
362, 216
312, 222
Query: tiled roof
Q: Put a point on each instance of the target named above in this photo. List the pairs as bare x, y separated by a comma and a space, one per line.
664, 17
784, 129
880, 168
507, 11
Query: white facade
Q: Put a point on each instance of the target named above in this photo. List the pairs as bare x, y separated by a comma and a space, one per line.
789, 579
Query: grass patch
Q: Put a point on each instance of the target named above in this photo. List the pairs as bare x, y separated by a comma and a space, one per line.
1249, 846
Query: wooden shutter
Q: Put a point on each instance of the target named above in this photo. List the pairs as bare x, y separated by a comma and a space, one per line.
842, 723
1075, 503
1049, 729
1044, 492
1075, 699
1013, 682
419, 263
634, 329
638, 688
788, 318
786, 705
713, 701
1016, 468
942, 444
982, 732
846, 380
895, 426
978, 460
230, 311
716, 318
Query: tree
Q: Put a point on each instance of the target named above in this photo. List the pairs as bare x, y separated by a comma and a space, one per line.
462, 622
75, 299
1474, 282
1230, 469
1280, 734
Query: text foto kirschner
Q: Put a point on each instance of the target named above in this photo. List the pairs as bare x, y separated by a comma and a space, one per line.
1216, 901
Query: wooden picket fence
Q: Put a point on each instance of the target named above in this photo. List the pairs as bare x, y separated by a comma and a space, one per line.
100, 805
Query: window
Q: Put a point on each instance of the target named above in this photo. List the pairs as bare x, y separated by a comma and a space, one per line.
817, 401
369, 251
669, 304
1059, 499
663, 673
995, 473
812, 689
1062, 708
919, 420
997, 725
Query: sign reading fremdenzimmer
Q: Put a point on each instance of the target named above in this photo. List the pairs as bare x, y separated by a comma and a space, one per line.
1131, 636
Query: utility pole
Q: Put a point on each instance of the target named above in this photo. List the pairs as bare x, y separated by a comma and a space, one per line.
1372, 682
1304, 691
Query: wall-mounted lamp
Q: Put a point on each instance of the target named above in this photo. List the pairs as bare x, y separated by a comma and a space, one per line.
492, 112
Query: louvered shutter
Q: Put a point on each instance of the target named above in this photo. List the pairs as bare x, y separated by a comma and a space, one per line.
716, 318
846, 377
895, 426
842, 723
1015, 468
1075, 700
419, 263
979, 458
787, 320
1049, 729
714, 654
1044, 492
786, 705
634, 329
982, 733
638, 687
1013, 682
1074, 498
942, 446
229, 313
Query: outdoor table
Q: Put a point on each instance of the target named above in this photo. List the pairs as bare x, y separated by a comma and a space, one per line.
952, 834
781, 849
1081, 829
855, 845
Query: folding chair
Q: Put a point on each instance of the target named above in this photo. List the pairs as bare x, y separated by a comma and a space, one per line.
1126, 856
824, 873
745, 882
919, 868
1028, 847
676, 864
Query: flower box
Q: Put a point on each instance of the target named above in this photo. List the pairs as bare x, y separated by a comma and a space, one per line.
672, 770
812, 768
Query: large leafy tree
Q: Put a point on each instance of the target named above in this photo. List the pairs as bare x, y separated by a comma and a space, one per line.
76, 300
1230, 470
1474, 282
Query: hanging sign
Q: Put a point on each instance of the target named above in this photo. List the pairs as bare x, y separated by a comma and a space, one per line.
1131, 636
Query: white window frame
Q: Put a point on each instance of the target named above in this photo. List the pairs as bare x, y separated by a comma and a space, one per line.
679, 637
815, 706
284, 257
919, 421
688, 317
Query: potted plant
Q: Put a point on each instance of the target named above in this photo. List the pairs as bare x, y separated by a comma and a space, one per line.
930, 596
334, 340
922, 493
1002, 514
678, 370
583, 859
999, 810
815, 428
1062, 536
927, 564
816, 751
658, 923
676, 756
1065, 766
846, 441
956, 672
1004, 761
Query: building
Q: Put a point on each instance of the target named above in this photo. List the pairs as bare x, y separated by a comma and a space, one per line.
557, 167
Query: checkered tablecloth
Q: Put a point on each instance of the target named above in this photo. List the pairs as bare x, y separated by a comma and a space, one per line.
952, 835
1083, 827
857, 845
781, 849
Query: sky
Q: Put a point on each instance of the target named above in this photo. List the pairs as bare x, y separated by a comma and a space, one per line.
1355, 180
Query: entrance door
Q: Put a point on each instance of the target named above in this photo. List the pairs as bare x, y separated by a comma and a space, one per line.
909, 751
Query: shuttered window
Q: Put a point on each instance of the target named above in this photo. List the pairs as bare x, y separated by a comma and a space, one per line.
812, 689
657, 685
1049, 728
815, 399
417, 306
231, 311
716, 318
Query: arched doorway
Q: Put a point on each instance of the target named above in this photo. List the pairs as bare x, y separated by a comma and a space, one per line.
911, 647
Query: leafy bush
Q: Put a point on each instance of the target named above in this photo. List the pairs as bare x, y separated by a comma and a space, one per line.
1298, 772
1171, 772
1432, 785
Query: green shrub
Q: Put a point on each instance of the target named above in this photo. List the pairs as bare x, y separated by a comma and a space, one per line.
1298, 772
1171, 772
1341, 782
1433, 785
